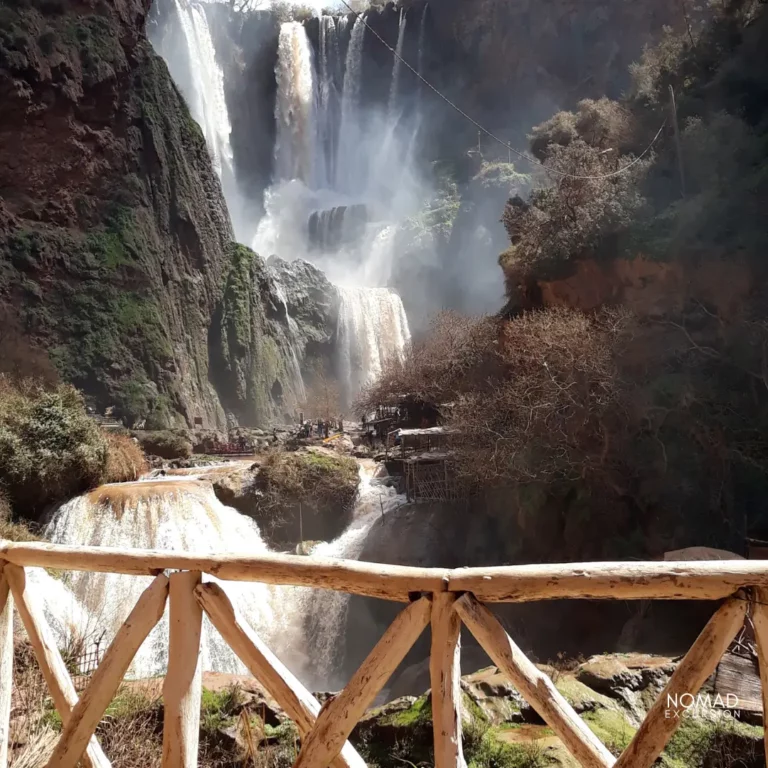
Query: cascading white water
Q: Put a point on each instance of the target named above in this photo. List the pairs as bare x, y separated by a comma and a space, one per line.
329, 75
292, 359
295, 105
180, 515
208, 104
347, 174
397, 67
422, 45
326, 611
372, 326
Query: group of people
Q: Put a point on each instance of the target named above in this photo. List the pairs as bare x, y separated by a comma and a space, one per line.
321, 428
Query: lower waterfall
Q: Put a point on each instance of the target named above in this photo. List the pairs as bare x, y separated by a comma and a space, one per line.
303, 626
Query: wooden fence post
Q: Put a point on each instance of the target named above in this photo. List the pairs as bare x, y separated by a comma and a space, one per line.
445, 676
665, 716
340, 715
537, 689
6, 667
106, 680
183, 685
48, 657
760, 617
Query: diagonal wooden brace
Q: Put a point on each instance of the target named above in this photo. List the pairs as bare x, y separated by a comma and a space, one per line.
48, 657
536, 688
299, 704
106, 680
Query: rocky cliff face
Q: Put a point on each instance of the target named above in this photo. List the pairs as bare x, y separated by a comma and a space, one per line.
116, 250
113, 233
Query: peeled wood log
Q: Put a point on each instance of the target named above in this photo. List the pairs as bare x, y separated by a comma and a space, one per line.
183, 686
393, 582
340, 715
49, 659
665, 716
704, 580
445, 676
299, 704
105, 681
536, 688
6, 667
760, 618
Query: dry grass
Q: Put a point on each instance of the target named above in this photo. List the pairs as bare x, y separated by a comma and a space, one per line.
125, 460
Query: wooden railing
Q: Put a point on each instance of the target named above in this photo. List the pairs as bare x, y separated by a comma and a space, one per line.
446, 599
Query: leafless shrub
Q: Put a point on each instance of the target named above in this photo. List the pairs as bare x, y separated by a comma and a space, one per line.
456, 355
546, 416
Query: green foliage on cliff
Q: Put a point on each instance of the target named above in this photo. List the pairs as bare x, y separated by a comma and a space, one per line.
719, 81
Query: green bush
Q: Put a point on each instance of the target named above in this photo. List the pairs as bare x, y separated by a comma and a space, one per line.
50, 449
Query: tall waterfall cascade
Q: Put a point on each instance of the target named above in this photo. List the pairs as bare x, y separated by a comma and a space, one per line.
207, 101
343, 172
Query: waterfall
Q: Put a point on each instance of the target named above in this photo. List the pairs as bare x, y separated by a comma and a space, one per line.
178, 515
328, 100
294, 349
349, 132
397, 66
304, 626
326, 610
422, 44
372, 327
294, 105
207, 102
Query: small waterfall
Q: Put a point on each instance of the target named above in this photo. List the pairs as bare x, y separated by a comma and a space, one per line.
394, 89
348, 175
372, 328
327, 610
422, 44
178, 515
207, 104
294, 350
294, 104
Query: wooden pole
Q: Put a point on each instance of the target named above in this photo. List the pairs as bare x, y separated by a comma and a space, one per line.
760, 618
536, 688
392, 582
183, 686
667, 712
6, 667
702, 580
106, 680
445, 676
48, 657
286, 689
340, 715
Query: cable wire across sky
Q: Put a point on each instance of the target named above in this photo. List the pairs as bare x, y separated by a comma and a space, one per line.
492, 135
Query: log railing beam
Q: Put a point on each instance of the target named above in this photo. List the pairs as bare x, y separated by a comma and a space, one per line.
445, 677
392, 582
278, 681
535, 687
340, 715
48, 657
666, 715
106, 680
